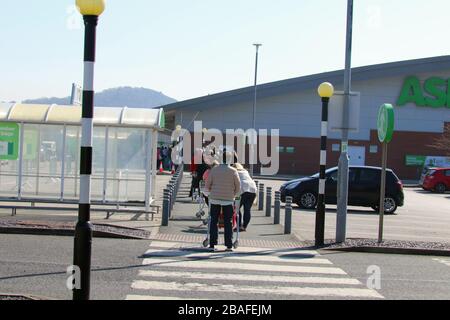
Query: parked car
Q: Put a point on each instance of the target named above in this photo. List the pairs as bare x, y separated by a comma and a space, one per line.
363, 190
425, 172
437, 179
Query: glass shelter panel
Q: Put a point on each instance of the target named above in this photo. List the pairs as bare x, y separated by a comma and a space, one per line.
125, 176
49, 163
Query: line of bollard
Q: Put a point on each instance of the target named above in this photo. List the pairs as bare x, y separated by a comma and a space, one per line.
277, 208
261, 197
288, 216
268, 202
170, 195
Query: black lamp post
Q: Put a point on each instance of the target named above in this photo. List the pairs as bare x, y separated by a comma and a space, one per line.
326, 91
91, 10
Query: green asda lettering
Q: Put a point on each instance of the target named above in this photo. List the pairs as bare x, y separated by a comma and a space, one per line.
435, 93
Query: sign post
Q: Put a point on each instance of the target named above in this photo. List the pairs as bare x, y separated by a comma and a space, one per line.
385, 126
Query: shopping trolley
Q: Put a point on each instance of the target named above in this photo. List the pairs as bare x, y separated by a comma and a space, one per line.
200, 199
235, 224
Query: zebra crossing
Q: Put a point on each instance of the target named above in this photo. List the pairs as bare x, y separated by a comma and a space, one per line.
179, 270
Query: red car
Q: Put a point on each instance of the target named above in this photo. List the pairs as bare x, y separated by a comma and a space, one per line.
437, 179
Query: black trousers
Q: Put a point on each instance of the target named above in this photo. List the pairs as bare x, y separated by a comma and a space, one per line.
194, 185
228, 224
247, 200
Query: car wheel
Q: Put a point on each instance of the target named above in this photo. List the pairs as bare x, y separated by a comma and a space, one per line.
308, 200
390, 205
440, 188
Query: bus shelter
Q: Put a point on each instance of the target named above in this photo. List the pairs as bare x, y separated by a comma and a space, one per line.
40, 152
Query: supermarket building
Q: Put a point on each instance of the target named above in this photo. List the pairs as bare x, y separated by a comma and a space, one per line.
418, 89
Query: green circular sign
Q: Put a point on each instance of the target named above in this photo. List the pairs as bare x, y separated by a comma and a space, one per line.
385, 123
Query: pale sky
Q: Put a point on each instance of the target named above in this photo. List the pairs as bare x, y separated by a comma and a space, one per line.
191, 48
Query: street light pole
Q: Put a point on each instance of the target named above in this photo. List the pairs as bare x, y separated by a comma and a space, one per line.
343, 167
326, 91
252, 144
90, 10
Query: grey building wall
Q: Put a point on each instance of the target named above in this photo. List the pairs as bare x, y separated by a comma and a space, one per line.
298, 114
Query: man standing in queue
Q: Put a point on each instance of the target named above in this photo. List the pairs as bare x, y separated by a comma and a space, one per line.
223, 185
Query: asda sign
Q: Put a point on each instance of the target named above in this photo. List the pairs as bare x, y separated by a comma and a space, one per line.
435, 92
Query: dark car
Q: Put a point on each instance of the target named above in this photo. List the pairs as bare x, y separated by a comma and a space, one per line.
363, 189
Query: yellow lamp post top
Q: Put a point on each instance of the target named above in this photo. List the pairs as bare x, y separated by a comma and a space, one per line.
91, 7
326, 90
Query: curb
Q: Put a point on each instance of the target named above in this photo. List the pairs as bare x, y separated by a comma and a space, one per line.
64, 232
394, 250
23, 296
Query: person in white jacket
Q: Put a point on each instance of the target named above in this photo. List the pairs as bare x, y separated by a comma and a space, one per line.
248, 196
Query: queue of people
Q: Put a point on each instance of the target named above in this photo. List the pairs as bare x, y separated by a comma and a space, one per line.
225, 179
164, 157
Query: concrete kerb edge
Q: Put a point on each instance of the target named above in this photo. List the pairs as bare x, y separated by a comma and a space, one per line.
392, 250
26, 296
65, 232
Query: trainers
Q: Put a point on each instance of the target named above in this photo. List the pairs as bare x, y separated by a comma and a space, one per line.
229, 249
212, 249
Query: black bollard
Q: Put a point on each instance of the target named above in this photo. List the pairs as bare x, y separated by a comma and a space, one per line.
288, 216
268, 202
165, 213
277, 207
261, 197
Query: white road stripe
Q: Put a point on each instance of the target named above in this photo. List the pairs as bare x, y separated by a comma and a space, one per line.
272, 290
141, 297
211, 264
443, 261
297, 259
169, 245
247, 277
184, 246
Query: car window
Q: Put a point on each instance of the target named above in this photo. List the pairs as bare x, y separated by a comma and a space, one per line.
352, 175
333, 175
391, 177
447, 173
369, 176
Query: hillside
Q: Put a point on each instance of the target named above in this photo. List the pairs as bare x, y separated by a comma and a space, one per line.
117, 97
